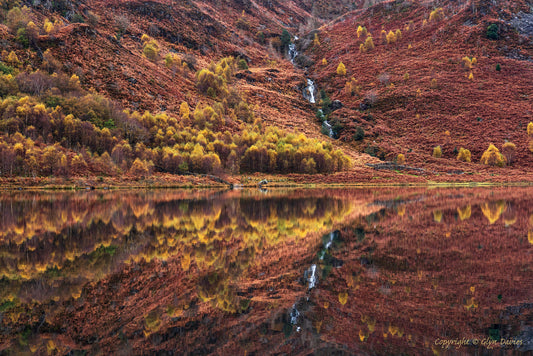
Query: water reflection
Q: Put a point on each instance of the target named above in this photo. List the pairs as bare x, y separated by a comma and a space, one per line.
366, 271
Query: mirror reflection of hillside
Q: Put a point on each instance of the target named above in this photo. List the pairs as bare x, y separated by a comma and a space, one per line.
372, 271
61, 241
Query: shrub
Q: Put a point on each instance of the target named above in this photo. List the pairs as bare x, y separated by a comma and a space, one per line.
361, 31
5, 69
123, 23
464, 155
391, 37
436, 15
48, 26
341, 69
398, 34
285, 39
77, 18
242, 64
437, 152
13, 59
467, 62
151, 50
493, 31
400, 159
351, 87
509, 150
369, 43
17, 18
493, 157
206, 79
172, 61
433, 83
316, 41
359, 134
22, 37
140, 168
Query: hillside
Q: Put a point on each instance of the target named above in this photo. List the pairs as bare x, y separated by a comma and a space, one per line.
137, 90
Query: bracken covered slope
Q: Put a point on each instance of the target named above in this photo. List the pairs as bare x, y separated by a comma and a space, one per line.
421, 90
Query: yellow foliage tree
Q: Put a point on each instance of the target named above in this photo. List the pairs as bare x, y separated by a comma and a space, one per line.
493, 157
437, 14
464, 155
341, 69
369, 43
398, 34
316, 41
184, 110
400, 159
437, 152
530, 129
13, 59
467, 62
391, 37
324, 62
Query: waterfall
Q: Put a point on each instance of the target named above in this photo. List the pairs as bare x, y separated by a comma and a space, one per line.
329, 128
312, 279
309, 91
292, 52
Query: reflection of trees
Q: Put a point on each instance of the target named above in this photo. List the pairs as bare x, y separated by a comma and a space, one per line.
493, 210
52, 245
464, 212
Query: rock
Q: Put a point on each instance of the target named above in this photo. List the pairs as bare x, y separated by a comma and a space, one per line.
336, 105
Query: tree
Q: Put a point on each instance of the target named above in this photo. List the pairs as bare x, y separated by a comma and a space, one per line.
285, 39
493, 157
316, 41
509, 150
493, 31
464, 155
400, 159
361, 31
369, 43
341, 69
437, 152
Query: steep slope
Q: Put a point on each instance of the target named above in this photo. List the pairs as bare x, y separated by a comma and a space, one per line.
408, 96
419, 91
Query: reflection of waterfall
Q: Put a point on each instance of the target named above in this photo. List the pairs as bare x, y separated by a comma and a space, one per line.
294, 314
292, 52
309, 91
311, 277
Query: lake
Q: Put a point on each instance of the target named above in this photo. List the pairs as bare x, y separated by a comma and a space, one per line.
284, 271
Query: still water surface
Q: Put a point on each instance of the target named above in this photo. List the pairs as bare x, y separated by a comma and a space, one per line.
335, 271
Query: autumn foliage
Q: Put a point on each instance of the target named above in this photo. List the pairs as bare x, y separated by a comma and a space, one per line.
51, 126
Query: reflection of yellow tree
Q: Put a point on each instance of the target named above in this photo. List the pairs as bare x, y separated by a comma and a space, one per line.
437, 215
401, 210
464, 212
66, 242
493, 210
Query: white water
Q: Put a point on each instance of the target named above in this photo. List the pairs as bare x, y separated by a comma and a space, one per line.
328, 126
331, 238
292, 52
294, 314
309, 92
312, 278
